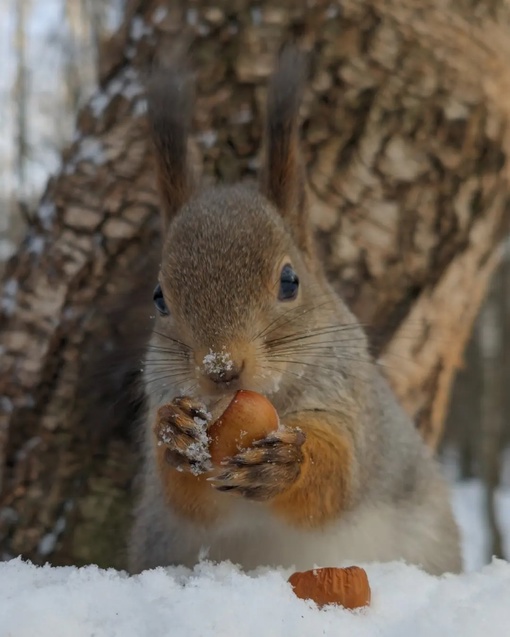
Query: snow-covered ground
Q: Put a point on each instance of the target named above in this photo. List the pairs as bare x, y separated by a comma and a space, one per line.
219, 600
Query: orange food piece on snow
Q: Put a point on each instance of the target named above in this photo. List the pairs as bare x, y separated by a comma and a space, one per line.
248, 417
346, 586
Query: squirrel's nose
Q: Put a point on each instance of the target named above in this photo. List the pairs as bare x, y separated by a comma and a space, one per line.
221, 366
225, 374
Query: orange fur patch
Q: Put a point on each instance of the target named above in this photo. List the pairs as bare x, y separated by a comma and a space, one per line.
324, 486
190, 496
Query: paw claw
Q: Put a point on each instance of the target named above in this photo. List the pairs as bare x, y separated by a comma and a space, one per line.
264, 470
180, 428
225, 488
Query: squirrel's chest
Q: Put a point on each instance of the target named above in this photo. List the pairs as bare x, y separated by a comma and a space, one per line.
252, 536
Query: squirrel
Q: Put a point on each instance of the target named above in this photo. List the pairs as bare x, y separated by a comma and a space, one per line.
346, 477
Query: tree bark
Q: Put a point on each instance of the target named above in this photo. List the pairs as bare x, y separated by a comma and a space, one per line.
20, 97
491, 329
406, 141
463, 431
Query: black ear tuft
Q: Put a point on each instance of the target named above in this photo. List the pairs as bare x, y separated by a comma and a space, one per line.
169, 101
283, 178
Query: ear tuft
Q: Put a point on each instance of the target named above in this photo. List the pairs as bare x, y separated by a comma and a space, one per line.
169, 102
283, 178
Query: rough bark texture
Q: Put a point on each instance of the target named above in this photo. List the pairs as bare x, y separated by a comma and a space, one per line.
407, 143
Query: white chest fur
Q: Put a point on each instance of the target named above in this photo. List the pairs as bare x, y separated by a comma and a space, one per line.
253, 537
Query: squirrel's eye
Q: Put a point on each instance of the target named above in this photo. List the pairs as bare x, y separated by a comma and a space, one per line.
289, 284
159, 300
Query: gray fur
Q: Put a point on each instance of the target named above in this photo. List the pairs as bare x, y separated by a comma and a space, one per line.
400, 507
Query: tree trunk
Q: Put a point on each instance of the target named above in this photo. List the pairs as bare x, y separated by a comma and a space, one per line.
462, 432
491, 441
406, 138
20, 97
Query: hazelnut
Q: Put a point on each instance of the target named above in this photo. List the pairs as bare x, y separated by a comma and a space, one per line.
246, 417
348, 587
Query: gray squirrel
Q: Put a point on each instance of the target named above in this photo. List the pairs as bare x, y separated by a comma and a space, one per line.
346, 477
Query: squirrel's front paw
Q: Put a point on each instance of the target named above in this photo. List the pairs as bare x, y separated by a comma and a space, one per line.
181, 428
267, 469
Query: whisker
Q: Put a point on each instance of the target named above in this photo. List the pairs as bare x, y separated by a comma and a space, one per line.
164, 368
316, 331
159, 388
265, 329
169, 352
305, 310
155, 378
359, 343
371, 362
307, 334
192, 388
158, 348
165, 356
322, 353
308, 364
173, 340
312, 381
289, 371
165, 361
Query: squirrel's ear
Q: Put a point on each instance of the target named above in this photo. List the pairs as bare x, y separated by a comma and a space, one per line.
283, 175
169, 107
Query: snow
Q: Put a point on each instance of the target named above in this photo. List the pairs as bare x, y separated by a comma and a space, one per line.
90, 150
219, 599
98, 103
35, 244
8, 298
126, 83
208, 138
46, 213
7, 249
197, 451
139, 29
159, 15
48, 542
217, 362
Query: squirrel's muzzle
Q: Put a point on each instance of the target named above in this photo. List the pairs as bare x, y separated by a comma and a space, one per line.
221, 367
224, 375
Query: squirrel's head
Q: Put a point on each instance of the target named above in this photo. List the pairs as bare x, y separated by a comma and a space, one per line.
240, 299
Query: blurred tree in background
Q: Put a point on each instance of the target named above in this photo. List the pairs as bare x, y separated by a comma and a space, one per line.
49, 53
406, 136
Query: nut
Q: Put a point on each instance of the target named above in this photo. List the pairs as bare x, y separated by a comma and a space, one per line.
249, 416
348, 587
